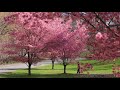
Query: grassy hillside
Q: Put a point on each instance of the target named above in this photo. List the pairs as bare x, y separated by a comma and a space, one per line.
100, 69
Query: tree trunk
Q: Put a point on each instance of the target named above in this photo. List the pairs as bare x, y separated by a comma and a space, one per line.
64, 69
64, 64
29, 64
29, 69
52, 64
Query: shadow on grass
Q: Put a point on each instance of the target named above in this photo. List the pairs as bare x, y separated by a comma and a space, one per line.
68, 75
25, 75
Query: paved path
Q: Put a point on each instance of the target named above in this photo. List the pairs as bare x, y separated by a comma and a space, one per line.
13, 67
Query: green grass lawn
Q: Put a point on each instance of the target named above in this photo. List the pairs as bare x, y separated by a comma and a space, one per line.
47, 72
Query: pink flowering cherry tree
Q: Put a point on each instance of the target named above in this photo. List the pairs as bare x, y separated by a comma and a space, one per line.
69, 44
32, 35
105, 23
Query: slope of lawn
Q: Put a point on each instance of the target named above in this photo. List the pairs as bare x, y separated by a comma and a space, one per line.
47, 72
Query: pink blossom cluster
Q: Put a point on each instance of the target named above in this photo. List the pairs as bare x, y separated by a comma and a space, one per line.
116, 71
85, 67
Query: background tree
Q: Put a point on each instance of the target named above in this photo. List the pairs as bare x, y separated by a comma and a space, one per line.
52, 55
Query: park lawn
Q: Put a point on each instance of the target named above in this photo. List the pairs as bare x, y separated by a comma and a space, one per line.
47, 72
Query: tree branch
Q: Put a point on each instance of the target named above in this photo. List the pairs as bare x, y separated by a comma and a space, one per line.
97, 16
88, 21
116, 25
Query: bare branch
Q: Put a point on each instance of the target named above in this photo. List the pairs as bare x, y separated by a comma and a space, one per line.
88, 21
116, 25
104, 23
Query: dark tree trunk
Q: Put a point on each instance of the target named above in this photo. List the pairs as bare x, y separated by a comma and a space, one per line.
53, 64
64, 69
64, 64
29, 69
29, 64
